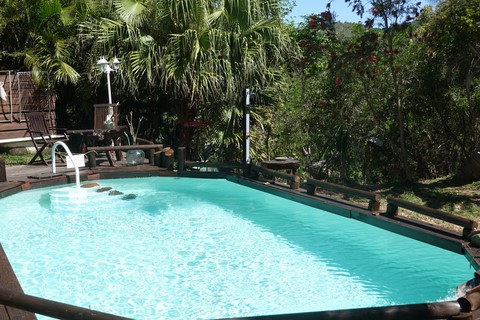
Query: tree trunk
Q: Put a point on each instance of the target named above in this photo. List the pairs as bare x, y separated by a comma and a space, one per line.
185, 113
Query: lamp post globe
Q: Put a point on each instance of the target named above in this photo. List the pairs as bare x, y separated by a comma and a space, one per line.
105, 67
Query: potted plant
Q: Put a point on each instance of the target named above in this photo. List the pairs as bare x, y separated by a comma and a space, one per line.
109, 121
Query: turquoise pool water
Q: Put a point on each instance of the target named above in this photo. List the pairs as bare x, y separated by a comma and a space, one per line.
195, 248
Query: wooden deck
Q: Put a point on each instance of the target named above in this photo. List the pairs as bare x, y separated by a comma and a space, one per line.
23, 95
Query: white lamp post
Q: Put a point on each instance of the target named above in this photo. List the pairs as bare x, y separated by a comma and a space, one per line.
104, 66
246, 128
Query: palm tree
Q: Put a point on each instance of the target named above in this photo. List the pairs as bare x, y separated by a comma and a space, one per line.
197, 54
41, 37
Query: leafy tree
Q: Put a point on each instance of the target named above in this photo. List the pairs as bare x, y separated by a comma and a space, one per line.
197, 55
393, 17
449, 42
314, 109
40, 36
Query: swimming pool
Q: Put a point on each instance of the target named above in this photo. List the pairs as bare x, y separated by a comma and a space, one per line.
183, 248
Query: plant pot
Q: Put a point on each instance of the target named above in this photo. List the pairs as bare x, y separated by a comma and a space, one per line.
135, 157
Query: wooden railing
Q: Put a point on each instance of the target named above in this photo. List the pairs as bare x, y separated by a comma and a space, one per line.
52, 308
217, 165
292, 179
392, 211
183, 164
463, 308
374, 198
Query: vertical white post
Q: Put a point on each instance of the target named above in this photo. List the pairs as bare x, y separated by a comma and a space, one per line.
246, 132
109, 87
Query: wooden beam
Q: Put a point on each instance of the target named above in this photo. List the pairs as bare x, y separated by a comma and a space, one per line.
190, 164
52, 308
373, 205
294, 180
395, 203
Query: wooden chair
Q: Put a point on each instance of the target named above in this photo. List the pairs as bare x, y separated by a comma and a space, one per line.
41, 135
100, 114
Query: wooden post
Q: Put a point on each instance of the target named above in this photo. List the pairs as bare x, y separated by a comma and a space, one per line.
392, 210
157, 155
3, 171
311, 189
373, 205
92, 159
181, 159
294, 184
254, 174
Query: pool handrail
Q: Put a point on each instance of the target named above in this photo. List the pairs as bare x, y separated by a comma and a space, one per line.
69, 153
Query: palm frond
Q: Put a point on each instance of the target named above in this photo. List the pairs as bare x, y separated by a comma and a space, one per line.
131, 11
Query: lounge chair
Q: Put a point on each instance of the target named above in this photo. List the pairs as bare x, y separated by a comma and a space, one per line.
41, 134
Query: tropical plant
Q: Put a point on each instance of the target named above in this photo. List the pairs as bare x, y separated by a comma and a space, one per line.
41, 35
197, 55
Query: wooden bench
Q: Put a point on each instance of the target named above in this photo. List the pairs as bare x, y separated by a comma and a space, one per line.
394, 203
153, 149
374, 198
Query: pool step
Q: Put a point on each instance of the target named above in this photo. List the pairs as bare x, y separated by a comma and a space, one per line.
73, 199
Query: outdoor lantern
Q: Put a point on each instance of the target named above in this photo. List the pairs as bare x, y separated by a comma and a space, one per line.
102, 63
116, 64
105, 67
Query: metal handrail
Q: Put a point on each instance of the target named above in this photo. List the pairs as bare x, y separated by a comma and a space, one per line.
54, 169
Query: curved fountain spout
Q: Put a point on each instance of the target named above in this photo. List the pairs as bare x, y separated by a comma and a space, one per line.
54, 169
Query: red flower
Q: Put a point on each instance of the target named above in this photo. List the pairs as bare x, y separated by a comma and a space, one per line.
326, 16
338, 80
